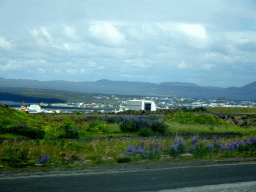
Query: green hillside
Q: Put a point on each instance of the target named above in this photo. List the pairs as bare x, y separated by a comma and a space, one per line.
20, 123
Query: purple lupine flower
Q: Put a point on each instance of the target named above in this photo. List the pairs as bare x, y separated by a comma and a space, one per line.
202, 143
130, 150
193, 148
176, 141
215, 142
174, 148
151, 145
153, 152
161, 147
210, 147
245, 141
223, 146
252, 140
143, 144
40, 160
68, 159
156, 146
195, 139
231, 146
46, 158
182, 142
147, 154
139, 150
80, 158
236, 144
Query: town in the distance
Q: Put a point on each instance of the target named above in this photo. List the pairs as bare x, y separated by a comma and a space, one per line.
123, 103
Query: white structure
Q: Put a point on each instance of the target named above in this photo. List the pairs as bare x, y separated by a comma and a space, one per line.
35, 109
121, 109
138, 105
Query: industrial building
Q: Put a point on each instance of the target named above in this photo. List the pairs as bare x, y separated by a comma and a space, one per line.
138, 105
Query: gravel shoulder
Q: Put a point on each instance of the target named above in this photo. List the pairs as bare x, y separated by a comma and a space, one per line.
115, 168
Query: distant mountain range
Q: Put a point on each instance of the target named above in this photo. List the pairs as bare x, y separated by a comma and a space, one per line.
176, 89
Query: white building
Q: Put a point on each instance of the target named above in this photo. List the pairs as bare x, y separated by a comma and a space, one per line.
138, 105
35, 109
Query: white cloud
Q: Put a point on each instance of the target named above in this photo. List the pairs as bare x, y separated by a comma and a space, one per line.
5, 44
107, 33
193, 30
5, 67
45, 39
70, 32
240, 37
70, 47
34, 33
45, 32
12, 65
42, 36
134, 76
171, 32
41, 42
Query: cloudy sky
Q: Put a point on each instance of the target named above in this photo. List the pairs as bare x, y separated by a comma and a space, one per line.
207, 42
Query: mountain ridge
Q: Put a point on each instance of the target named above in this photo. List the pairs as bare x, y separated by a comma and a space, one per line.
104, 86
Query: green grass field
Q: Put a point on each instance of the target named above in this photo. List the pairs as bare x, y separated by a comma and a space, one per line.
64, 153
232, 110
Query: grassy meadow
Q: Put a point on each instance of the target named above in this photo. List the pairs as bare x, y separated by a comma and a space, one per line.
53, 145
232, 110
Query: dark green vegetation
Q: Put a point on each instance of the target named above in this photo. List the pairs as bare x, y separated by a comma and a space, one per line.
31, 95
232, 110
63, 152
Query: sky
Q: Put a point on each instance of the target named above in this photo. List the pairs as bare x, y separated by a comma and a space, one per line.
206, 42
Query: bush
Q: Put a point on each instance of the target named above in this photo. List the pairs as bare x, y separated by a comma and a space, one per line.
159, 127
199, 109
114, 119
145, 132
192, 118
124, 160
70, 131
52, 131
104, 128
145, 126
98, 126
128, 125
25, 131
94, 127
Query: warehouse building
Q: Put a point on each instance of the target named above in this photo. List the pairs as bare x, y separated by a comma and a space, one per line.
138, 105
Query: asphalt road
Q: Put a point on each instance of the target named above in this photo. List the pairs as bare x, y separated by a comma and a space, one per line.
187, 178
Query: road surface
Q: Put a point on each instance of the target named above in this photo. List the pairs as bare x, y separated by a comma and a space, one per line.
215, 177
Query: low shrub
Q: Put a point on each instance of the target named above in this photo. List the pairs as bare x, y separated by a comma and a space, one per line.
146, 127
25, 131
103, 127
128, 125
70, 131
125, 159
194, 118
98, 126
145, 132
159, 127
